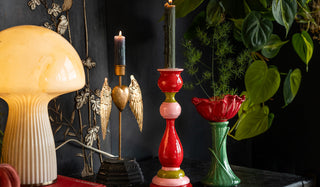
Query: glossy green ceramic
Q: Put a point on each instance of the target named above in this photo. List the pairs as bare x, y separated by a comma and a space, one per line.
220, 173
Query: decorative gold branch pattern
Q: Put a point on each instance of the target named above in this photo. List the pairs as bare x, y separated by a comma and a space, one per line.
59, 21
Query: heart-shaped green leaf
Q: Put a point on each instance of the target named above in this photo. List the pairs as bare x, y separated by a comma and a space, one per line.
272, 47
256, 30
284, 12
303, 45
291, 85
252, 123
261, 82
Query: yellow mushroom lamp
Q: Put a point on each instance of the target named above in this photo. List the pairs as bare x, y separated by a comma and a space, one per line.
36, 65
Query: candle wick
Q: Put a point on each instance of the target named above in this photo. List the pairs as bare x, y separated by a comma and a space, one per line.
170, 2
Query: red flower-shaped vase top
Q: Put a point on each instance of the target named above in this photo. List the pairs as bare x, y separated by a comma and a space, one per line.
170, 79
218, 109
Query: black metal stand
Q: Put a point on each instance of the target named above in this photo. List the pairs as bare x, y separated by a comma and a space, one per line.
124, 172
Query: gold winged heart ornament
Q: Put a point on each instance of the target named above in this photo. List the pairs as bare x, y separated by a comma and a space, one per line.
120, 98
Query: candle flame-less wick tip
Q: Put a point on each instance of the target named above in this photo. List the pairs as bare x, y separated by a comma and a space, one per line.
120, 33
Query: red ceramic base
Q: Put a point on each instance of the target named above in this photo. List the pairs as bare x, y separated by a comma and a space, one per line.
185, 185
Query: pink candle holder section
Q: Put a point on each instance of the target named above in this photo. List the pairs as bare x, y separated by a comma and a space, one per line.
170, 110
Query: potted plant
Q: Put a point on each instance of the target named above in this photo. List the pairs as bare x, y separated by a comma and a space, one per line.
252, 26
253, 23
214, 63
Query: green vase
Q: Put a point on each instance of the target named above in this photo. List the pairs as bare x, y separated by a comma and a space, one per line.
220, 173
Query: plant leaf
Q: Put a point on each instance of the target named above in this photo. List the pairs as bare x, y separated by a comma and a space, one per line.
261, 82
303, 45
214, 12
237, 29
256, 31
252, 123
264, 3
237, 23
184, 7
291, 85
247, 9
246, 105
304, 3
198, 22
284, 12
272, 47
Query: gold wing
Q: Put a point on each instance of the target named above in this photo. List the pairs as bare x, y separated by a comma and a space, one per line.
105, 106
135, 101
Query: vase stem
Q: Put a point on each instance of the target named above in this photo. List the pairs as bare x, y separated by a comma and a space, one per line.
220, 173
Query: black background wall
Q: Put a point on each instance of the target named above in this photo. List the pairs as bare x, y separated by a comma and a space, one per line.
290, 145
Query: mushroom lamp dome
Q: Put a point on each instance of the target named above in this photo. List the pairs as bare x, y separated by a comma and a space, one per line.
36, 65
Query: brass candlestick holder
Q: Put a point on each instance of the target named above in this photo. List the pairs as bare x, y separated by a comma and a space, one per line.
120, 171
120, 97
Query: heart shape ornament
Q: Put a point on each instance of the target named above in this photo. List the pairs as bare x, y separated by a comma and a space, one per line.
120, 96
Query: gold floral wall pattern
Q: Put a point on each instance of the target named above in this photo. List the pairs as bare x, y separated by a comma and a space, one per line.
86, 130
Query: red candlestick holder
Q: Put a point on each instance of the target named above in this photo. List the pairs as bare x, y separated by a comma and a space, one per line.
170, 150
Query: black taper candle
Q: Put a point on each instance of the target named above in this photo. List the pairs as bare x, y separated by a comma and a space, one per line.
169, 35
119, 50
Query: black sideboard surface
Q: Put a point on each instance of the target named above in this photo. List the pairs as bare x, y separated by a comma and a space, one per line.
250, 177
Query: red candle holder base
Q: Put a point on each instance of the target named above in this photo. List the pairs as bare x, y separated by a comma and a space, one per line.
170, 150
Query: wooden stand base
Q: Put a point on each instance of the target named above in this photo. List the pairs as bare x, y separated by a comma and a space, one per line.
124, 172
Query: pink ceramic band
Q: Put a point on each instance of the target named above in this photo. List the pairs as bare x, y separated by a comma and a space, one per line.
170, 110
170, 182
170, 168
